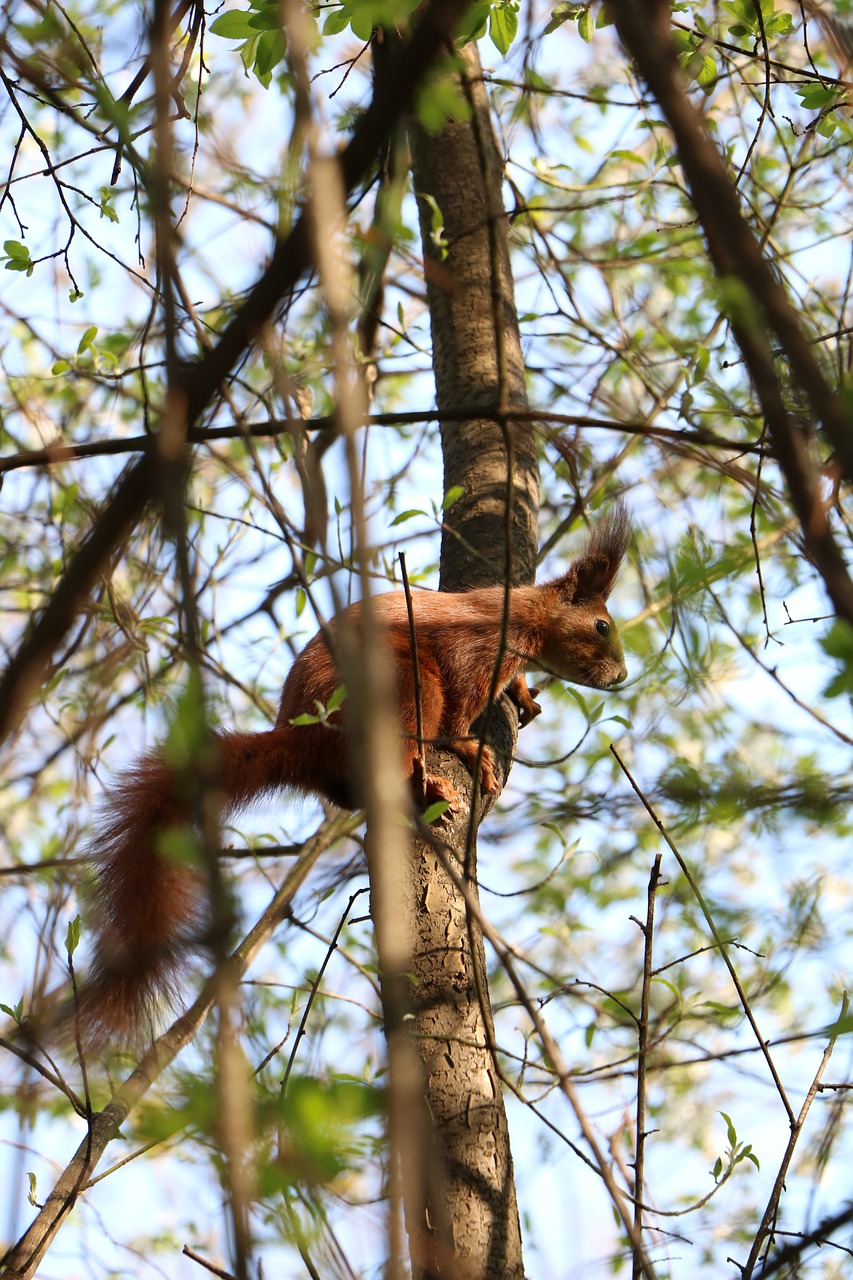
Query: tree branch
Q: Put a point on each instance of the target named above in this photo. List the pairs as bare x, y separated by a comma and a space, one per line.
197, 385
737, 256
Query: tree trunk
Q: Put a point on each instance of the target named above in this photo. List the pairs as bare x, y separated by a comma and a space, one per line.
476, 347
492, 536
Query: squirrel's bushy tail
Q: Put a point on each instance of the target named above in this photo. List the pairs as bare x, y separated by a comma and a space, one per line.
149, 903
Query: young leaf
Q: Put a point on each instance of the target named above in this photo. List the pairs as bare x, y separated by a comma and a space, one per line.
337, 698
85, 343
586, 25
564, 12
503, 27
731, 1132
19, 257
406, 515
434, 811
235, 24
72, 936
15, 249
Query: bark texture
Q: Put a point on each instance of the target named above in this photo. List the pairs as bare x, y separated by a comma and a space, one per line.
491, 536
477, 354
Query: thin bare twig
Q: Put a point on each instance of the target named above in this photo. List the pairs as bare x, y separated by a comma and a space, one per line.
416, 667
642, 1064
718, 938
772, 1208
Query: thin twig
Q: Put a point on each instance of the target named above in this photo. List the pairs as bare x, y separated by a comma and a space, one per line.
772, 1208
549, 1044
416, 670
642, 1065
24, 1257
208, 1266
719, 940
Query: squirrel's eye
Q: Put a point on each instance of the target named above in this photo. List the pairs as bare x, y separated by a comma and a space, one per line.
602, 627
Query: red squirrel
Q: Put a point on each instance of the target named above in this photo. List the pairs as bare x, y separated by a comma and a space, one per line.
149, 907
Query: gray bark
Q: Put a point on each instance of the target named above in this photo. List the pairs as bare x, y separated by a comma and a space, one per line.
491, 536
477, 354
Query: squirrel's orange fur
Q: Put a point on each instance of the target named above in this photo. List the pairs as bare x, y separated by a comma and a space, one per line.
149, 907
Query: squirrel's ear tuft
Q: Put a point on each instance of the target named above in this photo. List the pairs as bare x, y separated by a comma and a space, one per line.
594, 576
596, 570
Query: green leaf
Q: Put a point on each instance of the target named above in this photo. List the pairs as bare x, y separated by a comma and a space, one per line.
60, 366
776, 22
436, 221
579, 698
453, 495
706, 74
406, 515
15, 1013
362, 24
781, 24
503, 27
738, 303
247, 54
337, 21
828, 125
338, 698
17, 252
838, 644
701, 366
106, 208
85, 343
552, 826
565, 12
72, 936
267, 19
473, 25
271, 49
434, 811
235, 24
815, 97
180, 845
842, 1027
437, 102
586, 26
188, 736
